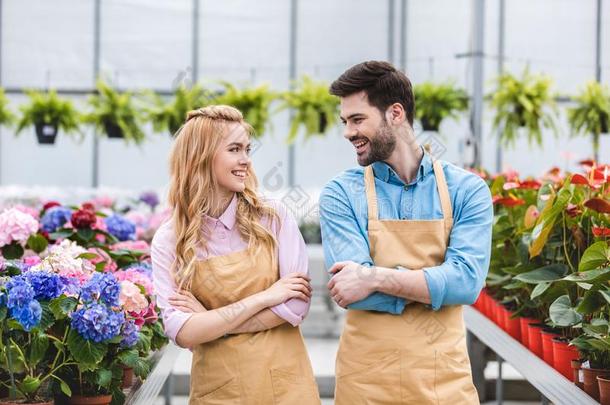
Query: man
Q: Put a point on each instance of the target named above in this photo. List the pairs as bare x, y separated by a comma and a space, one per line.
407, 239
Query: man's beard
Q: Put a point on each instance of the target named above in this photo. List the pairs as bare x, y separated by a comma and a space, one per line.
381, 145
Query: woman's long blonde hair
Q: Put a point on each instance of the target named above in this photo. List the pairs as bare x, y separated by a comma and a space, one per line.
193, 184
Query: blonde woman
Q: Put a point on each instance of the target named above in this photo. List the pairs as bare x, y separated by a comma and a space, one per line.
230, 271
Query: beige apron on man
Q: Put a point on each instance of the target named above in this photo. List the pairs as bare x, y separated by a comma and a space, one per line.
420, 356
267, 367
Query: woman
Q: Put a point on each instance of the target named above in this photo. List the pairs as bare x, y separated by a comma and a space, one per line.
217, 265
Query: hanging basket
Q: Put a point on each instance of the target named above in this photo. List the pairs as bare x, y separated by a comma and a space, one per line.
113, 130
46, 133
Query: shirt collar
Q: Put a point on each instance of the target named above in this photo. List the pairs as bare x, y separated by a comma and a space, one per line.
384, 171
227, 218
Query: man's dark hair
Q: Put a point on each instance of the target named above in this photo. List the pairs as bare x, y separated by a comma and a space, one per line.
383, 84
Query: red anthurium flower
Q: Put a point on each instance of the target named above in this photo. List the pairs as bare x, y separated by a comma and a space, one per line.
579, 179
573, 210
553, 175
599, 205
600, 231
509, 201
530, 184
587, 163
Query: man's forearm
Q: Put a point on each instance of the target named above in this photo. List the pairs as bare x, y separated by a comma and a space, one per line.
409, 284
266, 319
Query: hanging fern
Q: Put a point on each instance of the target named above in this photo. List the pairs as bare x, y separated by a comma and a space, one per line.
253, 102
170, 115
314, 108
435, 102
48, 109
591, 116
526, 103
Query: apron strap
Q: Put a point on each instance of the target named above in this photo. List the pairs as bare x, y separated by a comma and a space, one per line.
443, 190
371, 193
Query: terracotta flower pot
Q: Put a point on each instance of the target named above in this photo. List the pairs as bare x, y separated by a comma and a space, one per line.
534, 338
547, 346
96, 400
603, 383
523, 323
577, 377
563, 354
512, 325
127, 377
590, 381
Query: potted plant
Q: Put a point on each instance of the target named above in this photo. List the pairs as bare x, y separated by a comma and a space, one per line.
253, 103
115, 114
170, 115
591, 116
525, 103
48, 113
313, 107
435, 102
7, 117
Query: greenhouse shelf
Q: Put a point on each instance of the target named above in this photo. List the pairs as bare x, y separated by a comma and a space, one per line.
550, 383
146, 393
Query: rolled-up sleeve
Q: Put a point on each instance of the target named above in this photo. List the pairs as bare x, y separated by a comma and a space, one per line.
459, 279
292, 258
162, 253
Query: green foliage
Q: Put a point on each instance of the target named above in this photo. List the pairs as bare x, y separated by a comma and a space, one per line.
7, 117
253, 102
50, 109
115, 111
170, 115
591, 116
525, 102
314, 108
435, 102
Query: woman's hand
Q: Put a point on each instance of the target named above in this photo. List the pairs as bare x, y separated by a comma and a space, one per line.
186, 302
294, 285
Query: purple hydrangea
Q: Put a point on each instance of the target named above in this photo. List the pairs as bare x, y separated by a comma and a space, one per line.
142, 267
97, 322
130, 334
46, 285
120, 227
150, 198
54, 218
102, 286
28, 315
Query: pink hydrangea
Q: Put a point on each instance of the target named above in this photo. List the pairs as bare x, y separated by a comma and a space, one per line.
102, 202
136, 277
16, 226
28, 210
138, 245
32, 260
131, 298
146, 316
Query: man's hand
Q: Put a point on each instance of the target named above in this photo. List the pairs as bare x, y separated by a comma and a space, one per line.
351, 282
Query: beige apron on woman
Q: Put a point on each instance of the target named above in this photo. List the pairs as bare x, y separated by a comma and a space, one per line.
420, 356
268, 367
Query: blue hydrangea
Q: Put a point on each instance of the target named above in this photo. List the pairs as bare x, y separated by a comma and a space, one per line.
97, 322
28, 315
103, 286
55, 217
20, 292
46, 285
130, 334
120, 227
